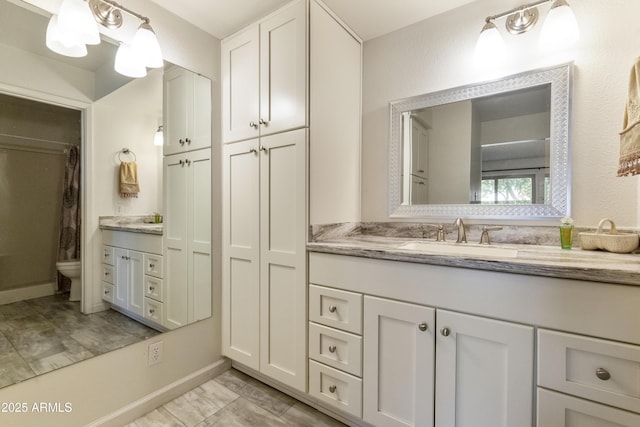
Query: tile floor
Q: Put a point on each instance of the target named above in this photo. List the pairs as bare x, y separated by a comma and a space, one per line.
234, 399
43, 334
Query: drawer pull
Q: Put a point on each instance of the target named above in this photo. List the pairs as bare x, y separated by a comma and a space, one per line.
603, 374
151, 311
332, 349
445, 332
152, 266
332, 389
423, 326
332, 308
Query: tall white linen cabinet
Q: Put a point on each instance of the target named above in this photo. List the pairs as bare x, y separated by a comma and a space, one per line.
291, 90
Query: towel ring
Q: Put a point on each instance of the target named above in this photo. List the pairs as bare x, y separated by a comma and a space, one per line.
126, 151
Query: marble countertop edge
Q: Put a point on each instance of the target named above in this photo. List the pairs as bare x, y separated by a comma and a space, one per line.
133, 224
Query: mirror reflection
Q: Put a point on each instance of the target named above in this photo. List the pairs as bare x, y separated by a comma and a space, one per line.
40, 328
496, 150
488, 150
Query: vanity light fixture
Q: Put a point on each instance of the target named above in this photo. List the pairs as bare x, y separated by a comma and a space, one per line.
158, 138
74, 26
560, 29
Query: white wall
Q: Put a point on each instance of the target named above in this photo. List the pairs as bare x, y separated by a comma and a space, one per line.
106, 383
437, 54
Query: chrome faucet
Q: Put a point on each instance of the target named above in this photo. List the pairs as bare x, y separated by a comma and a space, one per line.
462, 234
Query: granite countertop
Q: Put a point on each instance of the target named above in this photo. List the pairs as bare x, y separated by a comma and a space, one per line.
134, 224
538, 260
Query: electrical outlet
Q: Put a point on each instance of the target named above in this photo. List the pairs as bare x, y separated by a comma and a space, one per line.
155, 352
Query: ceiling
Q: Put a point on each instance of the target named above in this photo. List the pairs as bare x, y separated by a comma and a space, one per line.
368, 18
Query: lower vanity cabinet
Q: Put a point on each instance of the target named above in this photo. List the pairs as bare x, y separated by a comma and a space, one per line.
483, 372
132, 274
575, 372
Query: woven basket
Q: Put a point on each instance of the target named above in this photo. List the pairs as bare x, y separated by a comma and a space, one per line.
611, 241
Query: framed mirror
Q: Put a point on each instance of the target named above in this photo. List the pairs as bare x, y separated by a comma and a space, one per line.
497, 149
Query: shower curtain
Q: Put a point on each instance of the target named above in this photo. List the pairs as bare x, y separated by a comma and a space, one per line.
69, 237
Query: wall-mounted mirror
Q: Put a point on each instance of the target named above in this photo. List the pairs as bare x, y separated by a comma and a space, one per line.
493, 150
41, 334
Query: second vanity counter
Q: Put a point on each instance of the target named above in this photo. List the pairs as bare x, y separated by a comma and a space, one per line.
536, 260
133, 224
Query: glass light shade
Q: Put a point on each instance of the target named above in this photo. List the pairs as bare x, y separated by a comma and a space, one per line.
490, 49
127, 63
58, 44
158, 138
146, 46
560, 28
76, 22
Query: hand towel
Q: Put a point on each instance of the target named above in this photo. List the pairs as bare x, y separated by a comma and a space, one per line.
630, 135
129, 186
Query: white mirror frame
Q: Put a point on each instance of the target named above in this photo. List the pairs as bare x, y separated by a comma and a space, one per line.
560, 78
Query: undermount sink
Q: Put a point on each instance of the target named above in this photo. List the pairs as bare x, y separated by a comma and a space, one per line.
460, 249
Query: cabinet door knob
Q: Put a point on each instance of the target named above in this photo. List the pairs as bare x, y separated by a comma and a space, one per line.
445, 332
332, 349
181, 141
263, 122
423, 326
265, 149
332, 308
603, 374
253, 125
332, 389
253, 150
187, 162
188, 141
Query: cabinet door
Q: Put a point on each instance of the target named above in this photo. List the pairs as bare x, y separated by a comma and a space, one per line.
398, 363
136, 282
199, 234
484, 372
122, 273
283, 294
241, 253
199, 125
240, 85
283, 71
175, 240
177, 109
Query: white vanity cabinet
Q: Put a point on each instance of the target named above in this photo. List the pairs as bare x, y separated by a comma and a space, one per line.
187, 238
187, 111
132, 262
264, 76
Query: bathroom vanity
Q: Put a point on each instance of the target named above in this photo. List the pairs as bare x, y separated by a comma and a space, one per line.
535, 336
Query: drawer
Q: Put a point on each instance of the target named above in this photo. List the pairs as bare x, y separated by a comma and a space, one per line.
152, 310
596, 369
335, 348
153, 288
336, 308
108, 273
153, 265
107, 255
333, 387
107, 292
560, 410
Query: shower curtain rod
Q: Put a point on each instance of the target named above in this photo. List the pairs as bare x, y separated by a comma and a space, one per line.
48, 141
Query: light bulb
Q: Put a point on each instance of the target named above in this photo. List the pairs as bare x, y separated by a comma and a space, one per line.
76, 23
158, 138
58, 44
127, 63
560, 28
146, 46
490, 49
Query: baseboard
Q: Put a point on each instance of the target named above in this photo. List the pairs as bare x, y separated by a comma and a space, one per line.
305, 398
27, 292
159, 397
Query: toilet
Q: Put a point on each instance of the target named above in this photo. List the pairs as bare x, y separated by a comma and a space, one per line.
73, 270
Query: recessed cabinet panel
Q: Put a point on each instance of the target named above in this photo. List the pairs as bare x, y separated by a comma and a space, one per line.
242, 302
240, 85
336, 388
336, 308
335, 348
281, 325
242, 186
560, 410
176, 107
282, 182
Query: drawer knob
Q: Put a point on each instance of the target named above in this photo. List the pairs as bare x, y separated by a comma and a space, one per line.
151, 289
423, 326
332, 308
445, 332
332, 349
152, 266
603, 374
151, 311
332, 389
